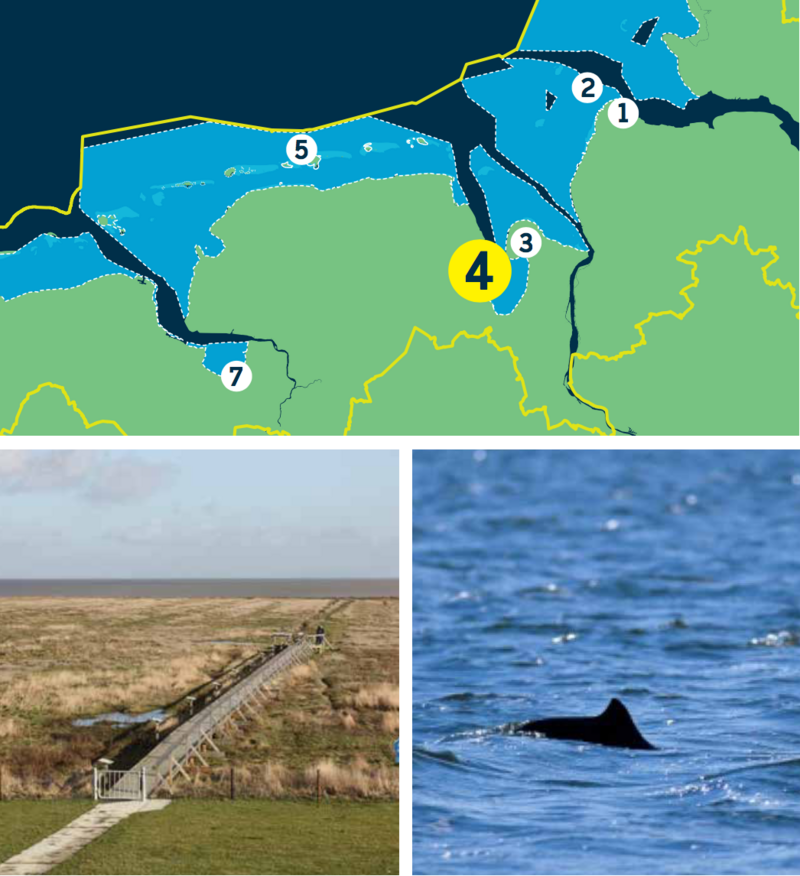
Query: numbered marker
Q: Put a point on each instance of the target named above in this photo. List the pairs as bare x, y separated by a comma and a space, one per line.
301, 149
236, 376
479, 270
587, 87
623, 113
526, 242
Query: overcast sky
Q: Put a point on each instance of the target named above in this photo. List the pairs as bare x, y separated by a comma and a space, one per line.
198, 513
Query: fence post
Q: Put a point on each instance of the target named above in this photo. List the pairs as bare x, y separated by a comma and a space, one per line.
319, 787
144, 783
1, 781
94, 782
233, 785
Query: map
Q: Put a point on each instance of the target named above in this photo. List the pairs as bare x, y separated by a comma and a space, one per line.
593, 230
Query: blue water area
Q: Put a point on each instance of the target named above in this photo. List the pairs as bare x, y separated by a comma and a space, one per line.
121, 719
173, 187
548, 582
510, 199
53, 263
218, 355
547, 145
608, 28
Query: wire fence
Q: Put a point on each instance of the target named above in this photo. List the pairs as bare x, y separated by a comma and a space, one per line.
222, 782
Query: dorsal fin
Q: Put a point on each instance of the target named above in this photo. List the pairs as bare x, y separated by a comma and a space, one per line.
616, 711
614, 727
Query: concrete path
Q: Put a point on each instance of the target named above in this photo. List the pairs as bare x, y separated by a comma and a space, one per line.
64, 843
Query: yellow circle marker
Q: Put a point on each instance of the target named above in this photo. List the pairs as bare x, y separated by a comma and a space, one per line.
479, 270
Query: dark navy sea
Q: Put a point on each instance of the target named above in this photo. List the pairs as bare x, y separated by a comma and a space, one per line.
546, 582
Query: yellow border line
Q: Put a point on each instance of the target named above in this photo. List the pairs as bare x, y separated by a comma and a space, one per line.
487, 334
684, 292
260, 429
74, 405
273, 130
70, 404
784, 19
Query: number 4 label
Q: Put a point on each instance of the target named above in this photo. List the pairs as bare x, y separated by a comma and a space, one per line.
479, 270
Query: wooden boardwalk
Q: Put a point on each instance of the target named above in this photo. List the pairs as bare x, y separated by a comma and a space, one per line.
169, 756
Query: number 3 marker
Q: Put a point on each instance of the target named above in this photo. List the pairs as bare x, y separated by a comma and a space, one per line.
525, 242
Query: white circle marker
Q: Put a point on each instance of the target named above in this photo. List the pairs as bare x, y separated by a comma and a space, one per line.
301, 149
236, 376
587, 87
623, 113
526, 242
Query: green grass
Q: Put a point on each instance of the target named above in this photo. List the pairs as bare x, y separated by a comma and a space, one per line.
729, 367
25, 822
248, 837
711, 60
136, 398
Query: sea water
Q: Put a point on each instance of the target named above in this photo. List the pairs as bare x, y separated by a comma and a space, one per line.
547, 582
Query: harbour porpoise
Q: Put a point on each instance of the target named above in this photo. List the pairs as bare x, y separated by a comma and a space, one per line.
614, 727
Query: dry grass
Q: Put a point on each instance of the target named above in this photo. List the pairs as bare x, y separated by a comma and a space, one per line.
356, 780
71, 693
9, 727
338, 714
378, 696
390, 723
67, 658
61, 659
348, 720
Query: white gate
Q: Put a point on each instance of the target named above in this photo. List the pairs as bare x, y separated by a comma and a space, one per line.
120, 784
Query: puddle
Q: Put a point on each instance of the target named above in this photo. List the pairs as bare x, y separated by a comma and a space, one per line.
121, 719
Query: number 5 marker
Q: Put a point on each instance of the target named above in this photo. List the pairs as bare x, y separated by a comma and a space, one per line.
301, 149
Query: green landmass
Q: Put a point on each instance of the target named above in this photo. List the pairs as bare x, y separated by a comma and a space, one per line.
102, 343
250, 836
742, 49
345, 299
25, 822
349, 312
730, 366
230, 172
